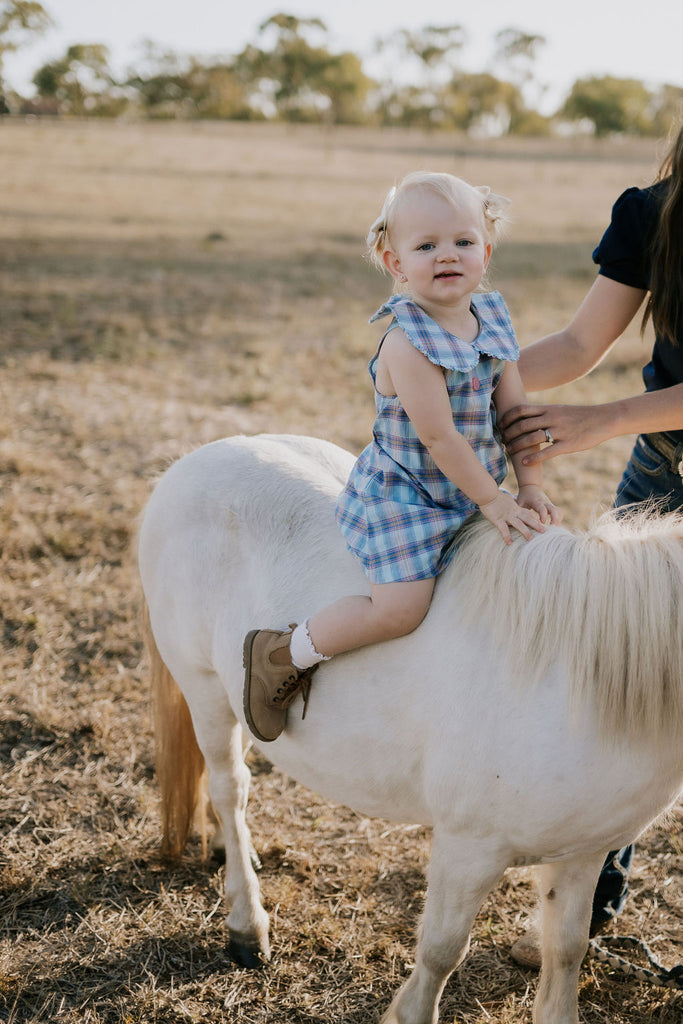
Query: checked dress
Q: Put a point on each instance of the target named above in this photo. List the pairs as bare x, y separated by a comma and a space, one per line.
398, 512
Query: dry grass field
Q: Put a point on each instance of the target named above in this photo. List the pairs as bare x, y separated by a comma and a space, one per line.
161, 286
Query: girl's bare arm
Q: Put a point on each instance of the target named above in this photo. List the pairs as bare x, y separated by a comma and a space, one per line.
421, 390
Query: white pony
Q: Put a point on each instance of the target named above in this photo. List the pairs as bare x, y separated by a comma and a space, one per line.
535, 717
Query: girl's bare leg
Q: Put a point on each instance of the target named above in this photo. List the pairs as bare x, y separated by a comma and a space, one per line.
393, 609
273, 679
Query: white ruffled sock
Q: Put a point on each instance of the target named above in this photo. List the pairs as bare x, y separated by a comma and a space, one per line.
301, 649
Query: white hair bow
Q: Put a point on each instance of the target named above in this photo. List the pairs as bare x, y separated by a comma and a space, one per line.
380, 224
494, 205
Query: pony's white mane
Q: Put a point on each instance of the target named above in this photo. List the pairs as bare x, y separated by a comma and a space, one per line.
607, 604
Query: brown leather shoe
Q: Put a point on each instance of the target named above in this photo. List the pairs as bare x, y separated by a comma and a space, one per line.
526, 951
271, 686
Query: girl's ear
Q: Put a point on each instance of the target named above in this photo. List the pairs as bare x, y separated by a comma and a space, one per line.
487, 255
393, 264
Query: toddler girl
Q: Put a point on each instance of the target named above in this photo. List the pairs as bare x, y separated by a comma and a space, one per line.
444, 369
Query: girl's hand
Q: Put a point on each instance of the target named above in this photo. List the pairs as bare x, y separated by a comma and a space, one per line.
505, 512
533, 497
573, 428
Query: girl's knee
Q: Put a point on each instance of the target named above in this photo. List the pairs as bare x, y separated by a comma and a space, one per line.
400, 608
402, 619
413, 618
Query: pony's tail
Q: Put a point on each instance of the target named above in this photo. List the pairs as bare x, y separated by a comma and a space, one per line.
179, 761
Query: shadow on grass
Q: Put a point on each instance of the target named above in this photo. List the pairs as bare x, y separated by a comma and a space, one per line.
125, 987
124, 930
77, 301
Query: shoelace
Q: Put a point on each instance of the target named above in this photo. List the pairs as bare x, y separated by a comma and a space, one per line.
289, 688
286, 693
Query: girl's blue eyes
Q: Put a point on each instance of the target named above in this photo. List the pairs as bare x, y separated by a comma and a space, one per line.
427, 246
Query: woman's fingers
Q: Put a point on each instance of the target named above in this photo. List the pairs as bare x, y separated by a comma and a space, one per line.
521, 418
530, 439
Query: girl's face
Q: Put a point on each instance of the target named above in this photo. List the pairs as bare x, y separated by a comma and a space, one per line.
439, 249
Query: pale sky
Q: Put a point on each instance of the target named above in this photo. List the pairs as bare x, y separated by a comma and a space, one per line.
584, 37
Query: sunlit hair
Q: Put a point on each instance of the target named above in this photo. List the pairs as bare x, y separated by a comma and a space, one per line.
665, 301
454, 190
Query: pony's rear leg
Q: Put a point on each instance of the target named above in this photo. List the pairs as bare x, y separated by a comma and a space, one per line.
461, 873
218, 839
219, 736
566, 896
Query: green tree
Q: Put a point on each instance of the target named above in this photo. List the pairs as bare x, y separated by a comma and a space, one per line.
218, 93
298, 74
528, 121
611, 105
19, 20
434, 46
517, 51
167, 85
482, 101
346, 86
427, 58
159, 80
667, 109
81, 82
413, 106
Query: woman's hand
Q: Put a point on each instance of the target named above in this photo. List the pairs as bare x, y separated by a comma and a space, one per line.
533, 497
503, 511
559, 428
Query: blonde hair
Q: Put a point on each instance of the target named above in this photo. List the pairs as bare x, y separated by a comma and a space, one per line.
454, 190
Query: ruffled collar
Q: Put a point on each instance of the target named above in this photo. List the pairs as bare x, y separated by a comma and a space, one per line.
496, 335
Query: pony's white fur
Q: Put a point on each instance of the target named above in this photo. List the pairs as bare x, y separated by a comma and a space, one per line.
441, 727
607, 604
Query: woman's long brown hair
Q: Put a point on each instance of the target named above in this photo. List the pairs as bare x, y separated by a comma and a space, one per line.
665, 301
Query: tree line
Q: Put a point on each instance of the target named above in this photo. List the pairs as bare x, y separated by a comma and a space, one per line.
290, 73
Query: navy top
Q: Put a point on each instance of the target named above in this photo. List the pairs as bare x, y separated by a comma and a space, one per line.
624, 256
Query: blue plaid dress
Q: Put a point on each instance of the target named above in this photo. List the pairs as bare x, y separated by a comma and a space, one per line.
398, 512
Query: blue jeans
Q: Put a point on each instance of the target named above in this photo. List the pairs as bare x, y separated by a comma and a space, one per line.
648, 475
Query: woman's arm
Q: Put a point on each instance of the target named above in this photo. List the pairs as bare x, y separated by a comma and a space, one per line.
604, 314
602, 317
575, 428
421, 390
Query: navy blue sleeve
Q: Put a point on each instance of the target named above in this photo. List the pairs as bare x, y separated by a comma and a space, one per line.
622, 254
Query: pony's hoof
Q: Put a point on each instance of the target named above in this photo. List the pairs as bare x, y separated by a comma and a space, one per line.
247, 952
